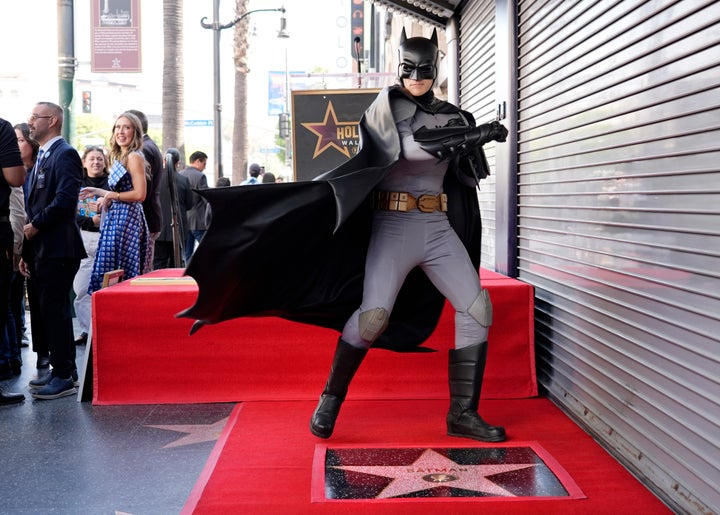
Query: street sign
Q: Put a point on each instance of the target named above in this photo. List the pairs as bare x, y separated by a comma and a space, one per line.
198, 123
271, 150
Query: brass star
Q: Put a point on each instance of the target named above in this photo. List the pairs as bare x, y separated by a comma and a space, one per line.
330, 132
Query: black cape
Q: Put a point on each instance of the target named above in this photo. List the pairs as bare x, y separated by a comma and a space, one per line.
297, 250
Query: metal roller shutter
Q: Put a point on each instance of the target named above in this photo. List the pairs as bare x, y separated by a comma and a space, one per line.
477, 95
618, 179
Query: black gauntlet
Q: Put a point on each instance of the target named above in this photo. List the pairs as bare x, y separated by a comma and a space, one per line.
453, 141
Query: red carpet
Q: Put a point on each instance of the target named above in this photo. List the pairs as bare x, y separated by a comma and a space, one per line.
135, 329
263, 463
267, 461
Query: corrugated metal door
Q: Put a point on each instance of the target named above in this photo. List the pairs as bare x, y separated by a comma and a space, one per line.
618, 178
477, 95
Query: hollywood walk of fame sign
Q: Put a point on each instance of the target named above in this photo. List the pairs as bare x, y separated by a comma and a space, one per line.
325, 128
502, 471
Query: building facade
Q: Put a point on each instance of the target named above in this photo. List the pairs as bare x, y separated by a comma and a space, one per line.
606, 198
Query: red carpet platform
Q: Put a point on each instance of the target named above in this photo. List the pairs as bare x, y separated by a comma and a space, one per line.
142, 354
266, 461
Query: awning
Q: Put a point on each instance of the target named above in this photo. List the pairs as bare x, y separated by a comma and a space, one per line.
435, 12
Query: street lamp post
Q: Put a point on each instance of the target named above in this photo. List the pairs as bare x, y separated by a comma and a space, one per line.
288, 140
216, 27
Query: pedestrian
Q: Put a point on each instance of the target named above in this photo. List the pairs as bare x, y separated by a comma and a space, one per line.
29, 149
88, 219
253, 174
52, 250
154, 178
13, 175
170, 236
197, 216
124, 236
16, 322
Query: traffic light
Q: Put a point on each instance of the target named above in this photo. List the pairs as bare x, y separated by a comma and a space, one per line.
86, 102
284, 125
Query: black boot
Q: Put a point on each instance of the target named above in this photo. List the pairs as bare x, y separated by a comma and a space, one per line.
345, 363
466, 367
10, 398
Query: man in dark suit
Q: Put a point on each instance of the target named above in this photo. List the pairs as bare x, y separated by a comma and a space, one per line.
52, 249
164, 244
152, 205
198, 213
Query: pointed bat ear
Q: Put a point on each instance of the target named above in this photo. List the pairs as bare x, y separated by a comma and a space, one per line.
433, 38
403, 36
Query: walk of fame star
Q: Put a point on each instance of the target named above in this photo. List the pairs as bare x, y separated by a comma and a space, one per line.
327, 132
487, 472
429, 471
194, 433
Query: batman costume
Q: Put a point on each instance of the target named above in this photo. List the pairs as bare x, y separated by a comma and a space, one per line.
394, 230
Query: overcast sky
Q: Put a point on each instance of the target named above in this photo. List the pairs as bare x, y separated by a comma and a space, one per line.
319, 39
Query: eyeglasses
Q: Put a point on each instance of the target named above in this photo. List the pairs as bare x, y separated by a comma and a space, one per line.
34, 117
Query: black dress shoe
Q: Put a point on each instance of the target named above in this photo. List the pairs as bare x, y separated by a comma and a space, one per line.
43, 362
82, 339
10, 398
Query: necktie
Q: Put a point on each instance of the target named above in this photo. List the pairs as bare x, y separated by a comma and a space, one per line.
36, 168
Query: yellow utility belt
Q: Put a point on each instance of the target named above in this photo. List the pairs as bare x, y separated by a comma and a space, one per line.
402, 201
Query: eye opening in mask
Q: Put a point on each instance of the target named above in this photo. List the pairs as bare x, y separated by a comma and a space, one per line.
416, 72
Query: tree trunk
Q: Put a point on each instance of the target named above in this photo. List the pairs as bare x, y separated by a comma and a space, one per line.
173, 101
240, 147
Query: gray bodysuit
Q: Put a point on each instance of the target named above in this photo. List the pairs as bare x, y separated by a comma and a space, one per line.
401, 241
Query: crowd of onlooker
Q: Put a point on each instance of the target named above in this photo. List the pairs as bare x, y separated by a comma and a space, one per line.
67, 219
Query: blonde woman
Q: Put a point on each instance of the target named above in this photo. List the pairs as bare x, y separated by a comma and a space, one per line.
124, 237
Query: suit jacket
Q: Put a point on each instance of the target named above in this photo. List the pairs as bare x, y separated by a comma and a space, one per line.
196, 217
184, 194
52, 203
151, 204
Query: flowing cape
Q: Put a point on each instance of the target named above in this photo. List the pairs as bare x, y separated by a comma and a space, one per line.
297, 250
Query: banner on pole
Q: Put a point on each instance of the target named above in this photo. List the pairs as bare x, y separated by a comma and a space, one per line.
115, 36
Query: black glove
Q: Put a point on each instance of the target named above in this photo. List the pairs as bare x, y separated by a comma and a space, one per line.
453, 141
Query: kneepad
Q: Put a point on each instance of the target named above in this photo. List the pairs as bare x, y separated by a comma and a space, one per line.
481, 309
372, 323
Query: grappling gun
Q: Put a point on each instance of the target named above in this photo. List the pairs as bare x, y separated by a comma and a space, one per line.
458, 142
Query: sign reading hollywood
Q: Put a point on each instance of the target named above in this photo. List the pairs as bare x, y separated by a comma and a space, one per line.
325, 128
115, 36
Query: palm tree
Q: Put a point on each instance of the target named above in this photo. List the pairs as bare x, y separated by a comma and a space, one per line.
239, 146
173, 101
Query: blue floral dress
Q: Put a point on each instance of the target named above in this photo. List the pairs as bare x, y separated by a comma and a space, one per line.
124, 236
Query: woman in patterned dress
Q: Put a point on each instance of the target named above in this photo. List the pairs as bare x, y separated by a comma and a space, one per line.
124, 237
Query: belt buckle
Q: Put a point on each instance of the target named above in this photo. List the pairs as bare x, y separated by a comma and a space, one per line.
427, 203
398, 201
